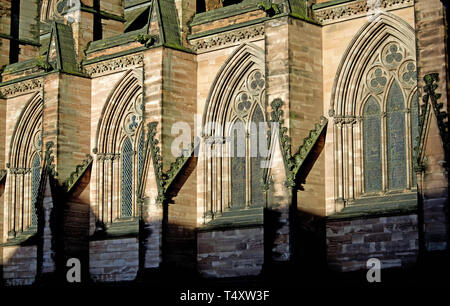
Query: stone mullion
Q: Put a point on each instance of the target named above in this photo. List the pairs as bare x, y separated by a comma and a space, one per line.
359, 181
248, 186
338, 163
27, 201
108, 190
345, 163
116, 188
11, 202
408, 158
226, 177
351, 161
101, 186
20, 205
214, 178
384, 151
219, 178
205, 181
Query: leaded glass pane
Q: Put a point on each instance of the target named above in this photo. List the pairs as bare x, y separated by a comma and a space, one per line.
35, 182
372, 146
127, 178
396, 148
257, 196
414, 130
140, 156
238, 165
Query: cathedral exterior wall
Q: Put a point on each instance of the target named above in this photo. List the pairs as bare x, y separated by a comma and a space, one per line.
20, 265
113, 260
115, 193
432, 48
393, 240
231, 253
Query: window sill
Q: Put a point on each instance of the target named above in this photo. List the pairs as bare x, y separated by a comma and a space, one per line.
122, 228
378, 206
232, 219
27, 237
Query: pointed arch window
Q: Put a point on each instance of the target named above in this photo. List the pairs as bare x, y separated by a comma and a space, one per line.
414, 130
235, 136
127, 178
372, 146
120, 141
375, 112
35, 183
388, 126
25, 169
396, 139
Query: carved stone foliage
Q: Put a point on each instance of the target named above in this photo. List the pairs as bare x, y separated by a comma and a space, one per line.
121, 63
20, 88
164, 180
293, 163
225, 39
431, 103
75, 175
354, 9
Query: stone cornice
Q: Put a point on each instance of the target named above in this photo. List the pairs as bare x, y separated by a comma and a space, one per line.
20, 88
115, 64
228, 38
355, 9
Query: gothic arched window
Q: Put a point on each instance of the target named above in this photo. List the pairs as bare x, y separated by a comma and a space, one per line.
25, 169
396, 139
35, 182
120, 141
372, 146
235, 135
387, 157
127, 178
375, 110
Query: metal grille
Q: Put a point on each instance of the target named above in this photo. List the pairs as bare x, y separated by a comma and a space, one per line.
372, 146
127, 178
35, 182
396, 139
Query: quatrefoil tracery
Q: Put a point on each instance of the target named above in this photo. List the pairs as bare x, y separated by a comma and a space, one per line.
134, 117
392, 61
250, 93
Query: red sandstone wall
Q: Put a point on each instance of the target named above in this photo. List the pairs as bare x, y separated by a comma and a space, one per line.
392, 240
113, 260
230, 253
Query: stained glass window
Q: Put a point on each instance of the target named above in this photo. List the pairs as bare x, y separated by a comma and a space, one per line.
127, 178
140, 155
35, 182
238, 165
372, 146
396, 148
257, 196
414, 130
